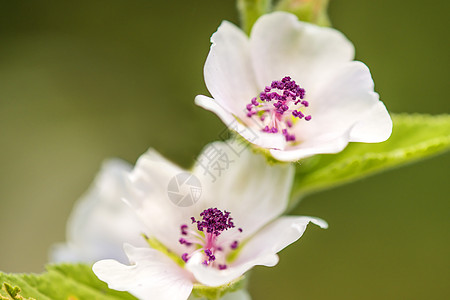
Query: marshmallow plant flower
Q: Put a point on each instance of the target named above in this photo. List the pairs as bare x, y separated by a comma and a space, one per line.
234, 226
101, 222
292, 87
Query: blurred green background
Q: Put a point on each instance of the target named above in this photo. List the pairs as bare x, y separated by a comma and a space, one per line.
86, 80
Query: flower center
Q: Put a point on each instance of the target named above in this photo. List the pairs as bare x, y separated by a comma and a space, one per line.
204, 237
279, 106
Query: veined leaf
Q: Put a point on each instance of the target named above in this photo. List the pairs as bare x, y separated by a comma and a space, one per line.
414, 137
64, 281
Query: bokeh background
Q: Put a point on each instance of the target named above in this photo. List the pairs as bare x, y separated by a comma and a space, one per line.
87, 80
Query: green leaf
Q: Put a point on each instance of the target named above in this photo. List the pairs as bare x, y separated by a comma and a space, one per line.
414, 137
64, 281
12, 293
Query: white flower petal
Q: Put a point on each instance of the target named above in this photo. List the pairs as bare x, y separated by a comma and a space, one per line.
375, 127
341, 100
152, 275
259, 250
253, 135
91, 235
344, 109
275, 237
312, 147
343, 104
149, 197
254, 191
214, 277
228, 72
282, 45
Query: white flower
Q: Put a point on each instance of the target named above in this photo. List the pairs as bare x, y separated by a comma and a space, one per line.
293, 88
101, 222
235, 224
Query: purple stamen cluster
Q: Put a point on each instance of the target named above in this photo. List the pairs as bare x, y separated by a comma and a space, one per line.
277, 102
214, 221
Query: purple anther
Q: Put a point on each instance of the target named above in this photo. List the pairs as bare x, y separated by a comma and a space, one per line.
249, 107
184, 228
234, 245
290, 137
307, 118
184, 257
305, 103
240, 229
263, 96
222, 267
298, 114
184, 242
210, 255
255, 102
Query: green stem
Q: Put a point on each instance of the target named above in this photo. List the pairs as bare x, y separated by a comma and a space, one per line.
251, 10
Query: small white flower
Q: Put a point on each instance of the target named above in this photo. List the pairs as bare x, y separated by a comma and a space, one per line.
235, 225
101, 222
295, 85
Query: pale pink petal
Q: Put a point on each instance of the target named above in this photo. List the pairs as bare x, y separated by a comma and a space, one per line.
344, 109
228, 72
320, 145
375, 127
91, 235
281, 45
149, 197
342, 99
214, 277
152, 275
275, 237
